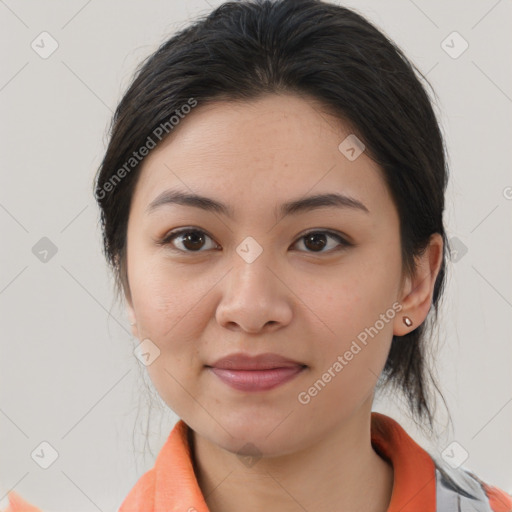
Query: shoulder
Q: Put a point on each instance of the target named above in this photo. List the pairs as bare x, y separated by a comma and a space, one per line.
141, 496
475, 495
171, 476
429, 479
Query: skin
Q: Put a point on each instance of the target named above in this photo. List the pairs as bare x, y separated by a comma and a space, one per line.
292, 300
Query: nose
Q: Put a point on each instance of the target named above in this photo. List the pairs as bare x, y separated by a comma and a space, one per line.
254, 297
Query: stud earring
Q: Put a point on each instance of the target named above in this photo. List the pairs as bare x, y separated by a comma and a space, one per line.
407, 321
133, 323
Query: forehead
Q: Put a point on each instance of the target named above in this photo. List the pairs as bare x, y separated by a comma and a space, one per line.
259, 153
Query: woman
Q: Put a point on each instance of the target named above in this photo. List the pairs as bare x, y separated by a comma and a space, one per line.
272, 203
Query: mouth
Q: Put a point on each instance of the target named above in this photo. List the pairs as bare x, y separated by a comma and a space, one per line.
254, 380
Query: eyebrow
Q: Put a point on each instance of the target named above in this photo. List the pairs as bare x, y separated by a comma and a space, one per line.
169, 197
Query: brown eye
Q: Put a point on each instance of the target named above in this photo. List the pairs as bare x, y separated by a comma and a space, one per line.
316, 241
196, 240
193, 240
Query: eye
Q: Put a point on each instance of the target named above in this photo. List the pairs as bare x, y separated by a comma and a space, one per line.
193, 240
316, 240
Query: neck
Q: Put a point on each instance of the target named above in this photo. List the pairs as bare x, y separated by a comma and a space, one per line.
341, 471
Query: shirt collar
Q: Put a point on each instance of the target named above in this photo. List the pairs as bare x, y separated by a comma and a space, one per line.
173, 481
414, 485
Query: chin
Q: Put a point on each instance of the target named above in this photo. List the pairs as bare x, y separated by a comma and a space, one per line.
253, 439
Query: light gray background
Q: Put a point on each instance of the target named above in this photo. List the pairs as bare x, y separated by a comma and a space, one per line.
68, 375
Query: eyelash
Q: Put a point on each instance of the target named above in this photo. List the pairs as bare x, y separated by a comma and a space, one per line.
167, 240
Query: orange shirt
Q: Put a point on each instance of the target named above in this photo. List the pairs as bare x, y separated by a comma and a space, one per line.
171, 485
172, 481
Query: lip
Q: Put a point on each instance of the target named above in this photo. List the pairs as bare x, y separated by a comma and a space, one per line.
243, 361
255, 373
256, 380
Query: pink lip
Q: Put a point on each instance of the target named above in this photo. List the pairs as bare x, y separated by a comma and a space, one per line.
257, 380
255, 373
243, 361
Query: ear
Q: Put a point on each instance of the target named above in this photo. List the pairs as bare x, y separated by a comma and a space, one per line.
125, 287
131, 316
418, 291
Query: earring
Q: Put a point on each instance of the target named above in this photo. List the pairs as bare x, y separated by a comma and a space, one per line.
133, 323
407, 321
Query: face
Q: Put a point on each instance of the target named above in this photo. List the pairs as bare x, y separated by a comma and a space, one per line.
317, 285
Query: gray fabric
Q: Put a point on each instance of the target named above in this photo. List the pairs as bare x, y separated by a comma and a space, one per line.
449, 500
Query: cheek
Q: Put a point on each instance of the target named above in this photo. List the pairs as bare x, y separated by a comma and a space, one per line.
166, 300
357, 308
351, 355
171, 314
351, 299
